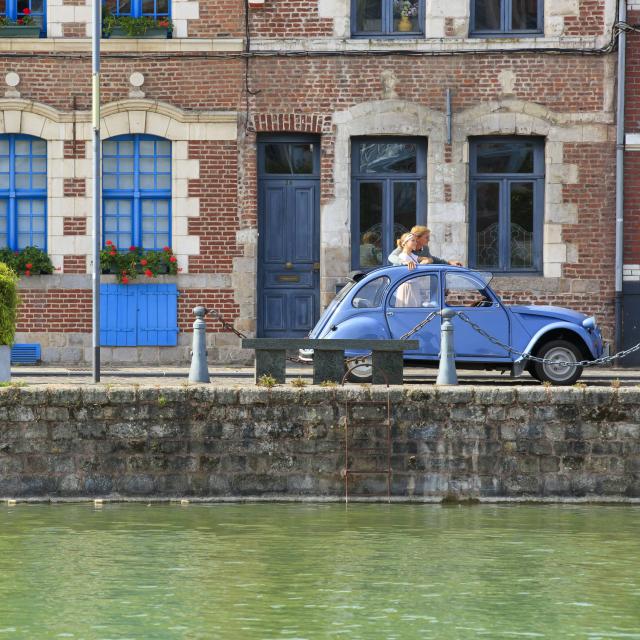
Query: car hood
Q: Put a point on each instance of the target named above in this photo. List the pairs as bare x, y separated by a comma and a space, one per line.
557, 313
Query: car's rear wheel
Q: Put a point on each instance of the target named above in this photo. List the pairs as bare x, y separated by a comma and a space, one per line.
360, 369
559, 368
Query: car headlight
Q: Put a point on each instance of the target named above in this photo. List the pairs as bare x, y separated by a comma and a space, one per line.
589, 323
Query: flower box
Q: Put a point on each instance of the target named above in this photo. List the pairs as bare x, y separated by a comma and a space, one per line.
19, 31
153, 32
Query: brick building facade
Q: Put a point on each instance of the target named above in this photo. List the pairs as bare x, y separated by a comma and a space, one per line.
241, 85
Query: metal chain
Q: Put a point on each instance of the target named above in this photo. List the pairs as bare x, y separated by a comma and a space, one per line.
528, 356
229, 327
465, 318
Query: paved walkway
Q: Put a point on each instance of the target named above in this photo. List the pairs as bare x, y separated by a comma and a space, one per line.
243, 376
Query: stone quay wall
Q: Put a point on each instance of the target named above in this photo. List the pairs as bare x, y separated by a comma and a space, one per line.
212, 442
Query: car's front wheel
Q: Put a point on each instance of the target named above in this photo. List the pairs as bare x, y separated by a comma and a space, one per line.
359, 369
559, 368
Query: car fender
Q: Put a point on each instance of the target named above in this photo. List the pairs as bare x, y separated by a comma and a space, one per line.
358, 327
579, 331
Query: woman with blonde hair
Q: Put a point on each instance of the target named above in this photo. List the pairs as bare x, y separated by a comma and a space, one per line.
421, 251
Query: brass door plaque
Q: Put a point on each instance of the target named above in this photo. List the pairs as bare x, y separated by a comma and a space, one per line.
289, 278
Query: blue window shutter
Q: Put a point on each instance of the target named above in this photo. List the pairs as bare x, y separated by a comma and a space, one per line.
118, 315
158, 315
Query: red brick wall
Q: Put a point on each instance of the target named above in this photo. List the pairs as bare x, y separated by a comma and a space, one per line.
217, 189
63, 311
219, 299
218, 19
289, 18
74, 187
74, 226
191, 83
74, 264
590, 22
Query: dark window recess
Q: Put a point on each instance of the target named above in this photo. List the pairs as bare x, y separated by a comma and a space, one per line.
497, 17
389, 195
507, 204
381, 18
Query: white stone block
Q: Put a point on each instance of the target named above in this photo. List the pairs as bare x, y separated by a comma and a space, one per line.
137, 121
188, 245
555, 252
157, 124
12, 122
552, 270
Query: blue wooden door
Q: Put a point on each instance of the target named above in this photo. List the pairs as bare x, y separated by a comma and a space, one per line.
138, 315
288, 265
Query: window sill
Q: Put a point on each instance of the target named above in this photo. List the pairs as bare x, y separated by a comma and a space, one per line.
141, 45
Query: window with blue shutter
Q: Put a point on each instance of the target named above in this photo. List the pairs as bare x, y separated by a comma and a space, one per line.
136, 192
138, 315
26, 13
23, 192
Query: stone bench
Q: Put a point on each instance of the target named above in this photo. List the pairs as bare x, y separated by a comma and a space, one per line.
328, 357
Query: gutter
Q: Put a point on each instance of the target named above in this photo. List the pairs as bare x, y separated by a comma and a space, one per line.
619, 254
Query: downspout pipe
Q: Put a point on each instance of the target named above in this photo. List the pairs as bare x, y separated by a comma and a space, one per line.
622, 41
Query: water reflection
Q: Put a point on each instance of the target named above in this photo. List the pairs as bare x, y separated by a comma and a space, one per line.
319, 571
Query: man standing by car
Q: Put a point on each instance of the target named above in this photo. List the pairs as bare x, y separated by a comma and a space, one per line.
422, 235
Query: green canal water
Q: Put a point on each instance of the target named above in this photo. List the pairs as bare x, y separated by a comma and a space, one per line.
292, 571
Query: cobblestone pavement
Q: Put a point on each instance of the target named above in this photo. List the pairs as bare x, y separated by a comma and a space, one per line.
243, 376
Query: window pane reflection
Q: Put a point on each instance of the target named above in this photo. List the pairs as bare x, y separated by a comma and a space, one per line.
505, 157
521, 232
370, 224
404, 207
524, 15
487, 224
369, 15
289, 158
487, 15
380, 157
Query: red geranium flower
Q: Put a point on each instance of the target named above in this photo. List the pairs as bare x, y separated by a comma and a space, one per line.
148, 273
27, 273
166, 248
108, 243
124, 272
132, 248
125, 280
28, 265
26, 11
19, 21
112, 253
172, 259
143, 262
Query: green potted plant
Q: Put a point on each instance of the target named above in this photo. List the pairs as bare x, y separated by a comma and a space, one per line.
8, 309
130, 27
128, 264
28, 261
24, 27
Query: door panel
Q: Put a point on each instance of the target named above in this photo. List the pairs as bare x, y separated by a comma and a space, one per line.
409, 304
288, 266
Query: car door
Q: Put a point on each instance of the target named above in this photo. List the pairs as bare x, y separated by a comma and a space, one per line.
466, 294
410, 302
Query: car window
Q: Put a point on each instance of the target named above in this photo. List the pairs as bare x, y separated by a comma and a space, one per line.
462, 291
371, 294
419, 292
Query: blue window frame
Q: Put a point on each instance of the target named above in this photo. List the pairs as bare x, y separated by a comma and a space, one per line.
14, 10
506, 17
136, 191
388, 195
23, 192
507, 204
379, 18
156, 9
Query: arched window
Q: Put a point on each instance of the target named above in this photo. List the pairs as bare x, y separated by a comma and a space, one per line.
25, 13
136, 191
23, 192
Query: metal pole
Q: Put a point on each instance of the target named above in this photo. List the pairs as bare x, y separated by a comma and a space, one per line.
447, 369
620, 134
97, 209
199, 371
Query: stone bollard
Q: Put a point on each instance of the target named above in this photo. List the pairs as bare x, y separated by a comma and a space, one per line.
199, 371
447, 368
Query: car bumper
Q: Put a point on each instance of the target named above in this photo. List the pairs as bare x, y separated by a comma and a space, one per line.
306, 355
